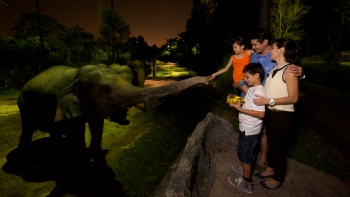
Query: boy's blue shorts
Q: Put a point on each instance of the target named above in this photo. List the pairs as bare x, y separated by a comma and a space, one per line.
246, 146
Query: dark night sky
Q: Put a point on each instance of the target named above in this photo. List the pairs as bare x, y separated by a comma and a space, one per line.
155, 20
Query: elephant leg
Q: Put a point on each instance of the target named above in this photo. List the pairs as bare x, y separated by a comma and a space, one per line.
75, 132
96, 129
78, 138
28, 129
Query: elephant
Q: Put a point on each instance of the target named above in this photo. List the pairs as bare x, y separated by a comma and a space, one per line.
140, 69
135, 72
61, 99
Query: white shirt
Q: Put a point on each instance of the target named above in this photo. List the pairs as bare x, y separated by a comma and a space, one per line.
251, 125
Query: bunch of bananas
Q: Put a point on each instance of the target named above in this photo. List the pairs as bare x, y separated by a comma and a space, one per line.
234, 99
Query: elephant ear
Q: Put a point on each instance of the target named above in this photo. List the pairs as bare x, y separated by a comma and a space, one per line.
68, 105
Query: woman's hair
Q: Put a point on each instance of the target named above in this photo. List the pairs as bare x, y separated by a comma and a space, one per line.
290, 49
253, 68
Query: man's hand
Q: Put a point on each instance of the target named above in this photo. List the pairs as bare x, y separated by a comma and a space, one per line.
297, 70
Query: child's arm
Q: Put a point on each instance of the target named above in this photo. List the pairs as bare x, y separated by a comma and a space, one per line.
228, 65
257, 114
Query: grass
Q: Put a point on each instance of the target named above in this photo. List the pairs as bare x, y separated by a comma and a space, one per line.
141, 153
169, 71
313, 150
142, 165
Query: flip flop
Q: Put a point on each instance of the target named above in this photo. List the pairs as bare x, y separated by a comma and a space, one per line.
263, 184
261, 176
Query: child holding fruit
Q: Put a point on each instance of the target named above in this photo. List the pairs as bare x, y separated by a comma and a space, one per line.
250, 124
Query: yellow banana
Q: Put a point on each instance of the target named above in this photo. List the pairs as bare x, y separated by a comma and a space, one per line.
234, 99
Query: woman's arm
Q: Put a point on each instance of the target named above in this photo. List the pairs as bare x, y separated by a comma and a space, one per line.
292, 87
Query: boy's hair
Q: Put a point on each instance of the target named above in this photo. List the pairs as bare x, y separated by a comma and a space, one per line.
253, 68
261, 34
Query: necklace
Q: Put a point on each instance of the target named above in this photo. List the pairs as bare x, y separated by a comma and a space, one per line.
278, 69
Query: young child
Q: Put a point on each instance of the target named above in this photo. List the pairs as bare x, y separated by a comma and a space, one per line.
250, 124
238, 60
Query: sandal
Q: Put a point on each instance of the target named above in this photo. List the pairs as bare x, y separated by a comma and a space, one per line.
261, 176
263, 184
260, 166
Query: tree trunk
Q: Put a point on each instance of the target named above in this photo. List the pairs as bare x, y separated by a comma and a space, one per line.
154, 67
265, 11
40, 30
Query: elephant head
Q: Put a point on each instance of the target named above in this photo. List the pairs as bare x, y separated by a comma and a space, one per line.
89, 94
140, 69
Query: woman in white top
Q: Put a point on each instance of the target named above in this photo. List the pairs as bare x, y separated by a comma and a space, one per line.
281, 93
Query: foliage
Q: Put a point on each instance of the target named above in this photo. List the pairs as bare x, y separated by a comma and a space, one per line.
286, 19
326, 26
313, 150
340, 16
211, 28
326, 75
139, 49
22, 56
27, 26
114, 32
79, 46
3, 4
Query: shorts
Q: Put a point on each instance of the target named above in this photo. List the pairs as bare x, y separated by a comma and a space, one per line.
246, 146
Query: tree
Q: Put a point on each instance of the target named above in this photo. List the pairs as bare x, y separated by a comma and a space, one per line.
286, 18
79, 46
27, 26
340, 16
3, 4
114, 32
40, 29
211, 27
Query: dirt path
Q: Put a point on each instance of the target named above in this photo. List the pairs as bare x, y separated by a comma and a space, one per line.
301, 180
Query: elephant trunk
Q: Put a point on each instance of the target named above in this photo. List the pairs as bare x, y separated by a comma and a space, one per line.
147, 94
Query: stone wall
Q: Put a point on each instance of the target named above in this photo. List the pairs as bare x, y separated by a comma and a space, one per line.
193, 173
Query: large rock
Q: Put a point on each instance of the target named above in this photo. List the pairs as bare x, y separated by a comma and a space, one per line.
194, 172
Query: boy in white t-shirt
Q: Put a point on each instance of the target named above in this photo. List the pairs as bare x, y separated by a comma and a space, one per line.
250, 124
